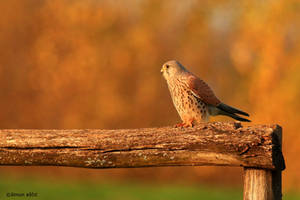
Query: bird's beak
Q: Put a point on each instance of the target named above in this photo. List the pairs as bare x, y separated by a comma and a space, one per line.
162, 70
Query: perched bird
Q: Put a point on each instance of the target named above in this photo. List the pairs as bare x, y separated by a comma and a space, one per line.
193, 98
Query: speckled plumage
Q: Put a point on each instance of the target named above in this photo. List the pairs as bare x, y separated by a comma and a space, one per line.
187, 105
193, 99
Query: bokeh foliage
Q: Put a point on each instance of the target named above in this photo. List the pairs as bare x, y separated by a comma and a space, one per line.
96, 63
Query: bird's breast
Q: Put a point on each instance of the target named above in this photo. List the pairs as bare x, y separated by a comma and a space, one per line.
186, 104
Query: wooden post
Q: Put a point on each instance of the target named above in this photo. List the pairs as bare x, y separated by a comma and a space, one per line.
261, 184
264, 184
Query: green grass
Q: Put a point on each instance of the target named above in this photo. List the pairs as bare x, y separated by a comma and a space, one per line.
117, 191
112, 191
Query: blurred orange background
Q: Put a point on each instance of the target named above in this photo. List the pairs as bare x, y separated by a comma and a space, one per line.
68, 64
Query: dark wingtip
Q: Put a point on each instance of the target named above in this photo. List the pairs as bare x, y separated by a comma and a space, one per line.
239, 112
232, 110
234, 116
246, 114
244, 120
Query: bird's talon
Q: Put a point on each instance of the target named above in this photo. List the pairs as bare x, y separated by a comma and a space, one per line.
180, 125
184, 125
187, 125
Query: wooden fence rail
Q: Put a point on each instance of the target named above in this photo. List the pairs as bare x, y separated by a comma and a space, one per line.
256, 148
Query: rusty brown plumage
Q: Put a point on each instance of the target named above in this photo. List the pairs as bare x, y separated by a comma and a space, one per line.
203, 91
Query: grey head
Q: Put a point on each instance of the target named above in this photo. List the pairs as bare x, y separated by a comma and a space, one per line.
171, 69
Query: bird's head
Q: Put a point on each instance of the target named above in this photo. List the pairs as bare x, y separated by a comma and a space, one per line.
171, 68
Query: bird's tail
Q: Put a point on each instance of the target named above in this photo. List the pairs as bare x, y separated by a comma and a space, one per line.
232, 112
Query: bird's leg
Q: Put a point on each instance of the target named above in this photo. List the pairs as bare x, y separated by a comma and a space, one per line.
189, 123
186, 124
179, 125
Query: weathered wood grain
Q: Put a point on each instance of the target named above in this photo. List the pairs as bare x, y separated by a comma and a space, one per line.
207, 144
261, 184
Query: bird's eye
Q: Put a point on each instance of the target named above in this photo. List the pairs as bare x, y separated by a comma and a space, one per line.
167, 66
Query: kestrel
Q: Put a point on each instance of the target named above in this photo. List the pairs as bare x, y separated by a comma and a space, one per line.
193, 98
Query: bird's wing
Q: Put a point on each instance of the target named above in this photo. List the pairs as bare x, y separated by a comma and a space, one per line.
201, 90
